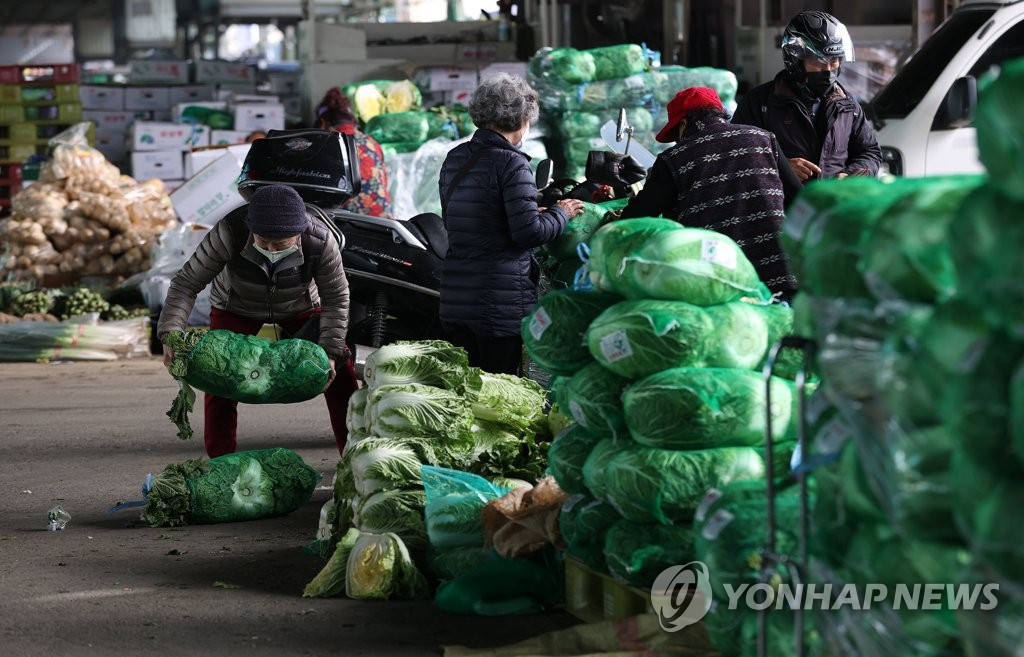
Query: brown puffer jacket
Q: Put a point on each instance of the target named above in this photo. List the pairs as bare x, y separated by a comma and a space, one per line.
246, 284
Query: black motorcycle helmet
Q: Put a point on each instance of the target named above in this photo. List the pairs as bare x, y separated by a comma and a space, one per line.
813, 34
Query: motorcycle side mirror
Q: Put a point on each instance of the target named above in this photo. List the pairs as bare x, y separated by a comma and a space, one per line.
545, 168
622, 127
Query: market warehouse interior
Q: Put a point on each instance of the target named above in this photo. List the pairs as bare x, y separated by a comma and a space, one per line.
529, 328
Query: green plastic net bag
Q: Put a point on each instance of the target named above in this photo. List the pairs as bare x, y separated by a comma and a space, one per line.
579, 229
636, 553
243, 368
1000, 135
700, 408
569, 451
553, 331
584, 521
401, 127
670, 80
593, 396
613, 62
241, 486
595, 468
660, 259
577, 124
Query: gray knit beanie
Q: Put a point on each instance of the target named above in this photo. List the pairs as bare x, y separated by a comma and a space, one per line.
277, 211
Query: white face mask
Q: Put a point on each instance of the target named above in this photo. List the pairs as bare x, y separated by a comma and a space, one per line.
275, 256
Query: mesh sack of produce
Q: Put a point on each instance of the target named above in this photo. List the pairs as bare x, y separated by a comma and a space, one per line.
637, 552
593, 396
660, 259
240, 486
1000, 136
984, 504
400, 127
553, 332
243, 368
742, 338
667, 486
400, 148
670, 80
569, 451
907, 256
595, 468
578, 124
700, 408
629, 92
638, 338
730, 532
568, 65
577, 150
579, 229
402, 96
612, 62
584, 521
985, 239
827, 229
455, 502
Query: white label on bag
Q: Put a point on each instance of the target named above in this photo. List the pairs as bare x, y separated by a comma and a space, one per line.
539, 323
718, 522
615, 346
718, 252
832, 438
710, 498
577, 414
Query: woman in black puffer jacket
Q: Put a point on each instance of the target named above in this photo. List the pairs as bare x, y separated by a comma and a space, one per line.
489, 206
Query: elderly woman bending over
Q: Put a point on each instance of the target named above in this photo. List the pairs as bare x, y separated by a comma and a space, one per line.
489, 206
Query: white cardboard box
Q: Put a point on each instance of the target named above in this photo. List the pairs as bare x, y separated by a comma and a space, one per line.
286, 84
227, 137
196, 161
166, 165
179, 109
147, 98
452, 79
209, 70
245, 99
190, 93
111, 123
170, 71
259, 116
113, 146
211, 193
99, 97
228, 90
160, 136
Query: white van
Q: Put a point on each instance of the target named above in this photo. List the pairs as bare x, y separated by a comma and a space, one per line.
926, 111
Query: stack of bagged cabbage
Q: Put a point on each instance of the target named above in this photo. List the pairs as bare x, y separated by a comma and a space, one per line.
580, 90
660, 370
391, 111
911, 291
422, 405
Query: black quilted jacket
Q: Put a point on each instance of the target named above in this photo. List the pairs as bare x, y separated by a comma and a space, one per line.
490, 277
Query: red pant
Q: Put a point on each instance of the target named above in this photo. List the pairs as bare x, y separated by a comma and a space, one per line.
222, 414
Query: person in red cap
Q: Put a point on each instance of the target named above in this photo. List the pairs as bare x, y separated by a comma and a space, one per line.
722, 177
268, 263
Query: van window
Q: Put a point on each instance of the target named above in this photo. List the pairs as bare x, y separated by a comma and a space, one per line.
1008, 46
905, 91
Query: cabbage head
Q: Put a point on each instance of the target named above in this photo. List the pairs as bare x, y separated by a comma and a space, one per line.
330, 581
399, 127
741, 337
583, 522
355, 416
666, 486
641, 337
700, 408
426, 362
595, 468
380, 567
610, 245
553, 332
380, 464
396, 511
402, 96
418, 411
637, 552
512, 402
568, 453
368, 101
593, 396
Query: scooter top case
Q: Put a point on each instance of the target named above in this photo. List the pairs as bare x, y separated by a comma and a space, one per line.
320, 165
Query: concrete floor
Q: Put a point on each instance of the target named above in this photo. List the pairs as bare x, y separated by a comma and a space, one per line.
84, 435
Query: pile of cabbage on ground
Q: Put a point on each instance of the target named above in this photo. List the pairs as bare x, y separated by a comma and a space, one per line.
658, 370
911, 290
422, 405
580, 90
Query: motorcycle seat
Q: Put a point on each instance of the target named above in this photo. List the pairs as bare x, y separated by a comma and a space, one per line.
429, 229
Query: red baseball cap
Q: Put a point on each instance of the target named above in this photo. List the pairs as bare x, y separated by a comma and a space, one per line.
686, 101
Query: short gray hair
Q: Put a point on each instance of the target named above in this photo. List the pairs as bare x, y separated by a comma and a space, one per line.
503, 103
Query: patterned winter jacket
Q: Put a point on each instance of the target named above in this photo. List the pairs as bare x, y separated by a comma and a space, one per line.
726, 179
489, 281
246, 284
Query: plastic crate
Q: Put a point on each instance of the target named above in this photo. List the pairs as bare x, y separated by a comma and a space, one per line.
8, 188
593, 596
38, 94
20, 152
35, 133
10, 171
55, 73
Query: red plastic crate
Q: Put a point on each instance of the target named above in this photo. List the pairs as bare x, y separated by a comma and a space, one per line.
9, 188
10, 171
55, 73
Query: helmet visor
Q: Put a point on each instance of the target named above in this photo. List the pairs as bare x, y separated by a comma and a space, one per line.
798, 47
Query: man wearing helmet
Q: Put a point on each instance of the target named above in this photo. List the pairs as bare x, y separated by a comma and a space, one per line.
820, 127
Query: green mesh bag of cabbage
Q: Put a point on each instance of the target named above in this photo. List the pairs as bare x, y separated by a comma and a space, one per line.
244, 368
241, 486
